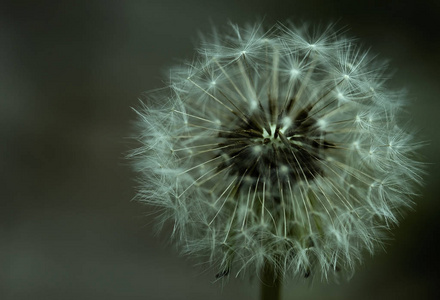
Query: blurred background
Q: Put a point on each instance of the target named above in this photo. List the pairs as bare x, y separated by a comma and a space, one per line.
69, 73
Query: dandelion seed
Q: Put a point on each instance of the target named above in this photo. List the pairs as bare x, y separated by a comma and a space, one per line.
285, 153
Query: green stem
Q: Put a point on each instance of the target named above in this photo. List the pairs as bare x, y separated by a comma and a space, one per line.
270, 284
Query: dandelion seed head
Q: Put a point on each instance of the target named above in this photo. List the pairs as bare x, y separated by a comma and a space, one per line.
277, 147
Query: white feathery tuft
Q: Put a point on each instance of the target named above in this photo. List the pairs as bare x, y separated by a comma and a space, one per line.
277, 147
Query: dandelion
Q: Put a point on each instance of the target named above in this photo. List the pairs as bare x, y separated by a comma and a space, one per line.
277, 153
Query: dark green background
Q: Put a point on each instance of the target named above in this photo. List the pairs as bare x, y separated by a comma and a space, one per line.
69, 73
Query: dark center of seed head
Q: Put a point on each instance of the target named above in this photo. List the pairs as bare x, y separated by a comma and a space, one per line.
276, 155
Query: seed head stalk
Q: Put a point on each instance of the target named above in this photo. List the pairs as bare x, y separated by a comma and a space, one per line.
271, 284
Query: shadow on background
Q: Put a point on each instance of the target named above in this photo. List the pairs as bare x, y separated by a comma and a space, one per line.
69, 73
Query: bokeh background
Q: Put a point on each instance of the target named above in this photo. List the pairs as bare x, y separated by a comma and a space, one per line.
69, 73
